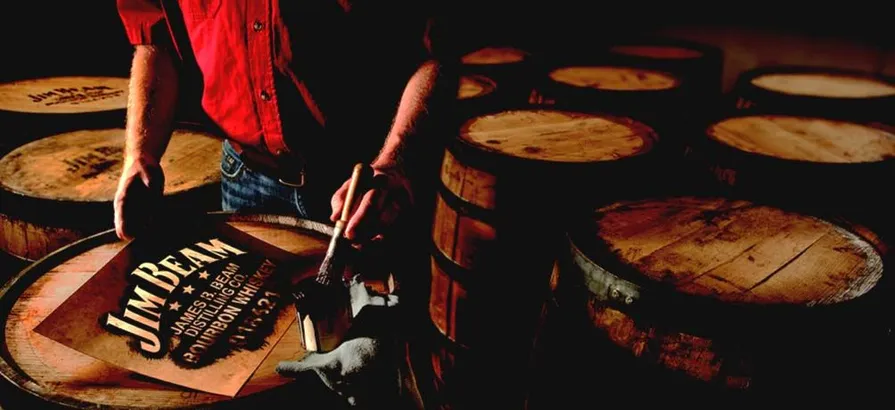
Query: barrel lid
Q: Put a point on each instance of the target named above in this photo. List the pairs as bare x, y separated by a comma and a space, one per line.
472, 86
730, 250
658, 51
55, 373
64, 95
495, 55
84, 165
824, 84
808, 139
614, 78
557, 136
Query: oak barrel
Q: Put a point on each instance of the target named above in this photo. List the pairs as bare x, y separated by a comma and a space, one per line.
60, 188
652, 96
476, 95
699, 65
33, 108
488, 189
816, 91
814, 162
57, 375
512, 68
729, 296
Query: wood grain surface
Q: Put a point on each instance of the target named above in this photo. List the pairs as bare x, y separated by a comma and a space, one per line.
65, 373
736, 251
614, 78
556, 136
494, 55
32, 241
472, 86
828, 85
805, 139
64, 95
85, 165
657, 51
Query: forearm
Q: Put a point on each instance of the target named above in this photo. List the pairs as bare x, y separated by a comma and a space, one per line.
151, 104
414, 108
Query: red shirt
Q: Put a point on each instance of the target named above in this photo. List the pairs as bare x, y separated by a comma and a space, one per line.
337, 67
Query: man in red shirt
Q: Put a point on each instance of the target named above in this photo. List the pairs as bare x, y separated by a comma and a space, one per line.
301, 91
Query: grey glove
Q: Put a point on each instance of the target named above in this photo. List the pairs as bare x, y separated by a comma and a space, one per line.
363, 369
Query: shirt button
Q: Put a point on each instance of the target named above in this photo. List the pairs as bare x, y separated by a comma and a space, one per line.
265, 96
279, 152
257, 25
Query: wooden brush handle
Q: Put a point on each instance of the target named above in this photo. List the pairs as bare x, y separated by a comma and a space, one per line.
352, 188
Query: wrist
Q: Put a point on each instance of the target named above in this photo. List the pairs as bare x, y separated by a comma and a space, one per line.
141, 159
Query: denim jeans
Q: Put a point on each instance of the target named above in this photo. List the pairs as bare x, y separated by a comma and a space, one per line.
243, 189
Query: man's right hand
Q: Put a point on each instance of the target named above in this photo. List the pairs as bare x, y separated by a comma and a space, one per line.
139, 194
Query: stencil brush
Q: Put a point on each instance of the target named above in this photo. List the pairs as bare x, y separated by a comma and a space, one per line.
328, 266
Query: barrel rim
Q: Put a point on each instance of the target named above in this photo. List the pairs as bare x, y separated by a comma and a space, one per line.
19, 283
707, 138
745, 80
584, 241
484, 157
653, 301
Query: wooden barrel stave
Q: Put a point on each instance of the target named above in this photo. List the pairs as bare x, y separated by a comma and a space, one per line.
60, 188
56, 375
816, 91
729, 346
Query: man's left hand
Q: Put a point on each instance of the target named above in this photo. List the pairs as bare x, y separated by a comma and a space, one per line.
380, 206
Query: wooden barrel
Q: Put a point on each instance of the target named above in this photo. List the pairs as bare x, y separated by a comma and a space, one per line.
482, 209
513, 69
651, 96
815, 162
699, 65
444, 375
57, 375
58, 189
476, 95
816, 91
35, 108
728, 296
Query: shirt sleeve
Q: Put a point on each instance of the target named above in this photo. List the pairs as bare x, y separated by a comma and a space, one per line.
143, 20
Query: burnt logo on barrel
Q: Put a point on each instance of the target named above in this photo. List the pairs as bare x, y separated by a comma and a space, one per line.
200, 304
75, 95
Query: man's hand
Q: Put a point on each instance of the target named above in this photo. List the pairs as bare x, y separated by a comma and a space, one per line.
140, 190
378, 208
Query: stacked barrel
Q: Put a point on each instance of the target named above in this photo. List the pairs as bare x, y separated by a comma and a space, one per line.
606, 224
62, 153
703, 242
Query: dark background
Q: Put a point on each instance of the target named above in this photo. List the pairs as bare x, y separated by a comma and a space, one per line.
85, 37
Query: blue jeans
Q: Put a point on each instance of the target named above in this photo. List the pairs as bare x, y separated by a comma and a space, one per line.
243, 189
